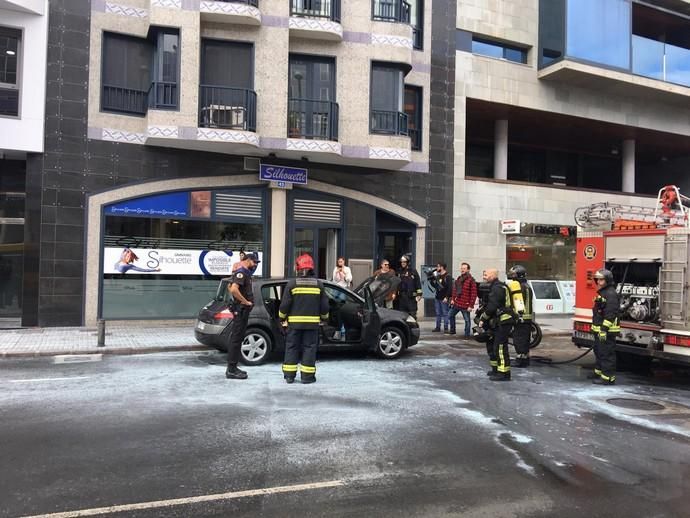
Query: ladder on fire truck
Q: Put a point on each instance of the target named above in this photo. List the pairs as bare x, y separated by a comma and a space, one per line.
671, 210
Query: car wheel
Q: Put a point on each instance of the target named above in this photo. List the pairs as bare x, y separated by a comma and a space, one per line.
256, 347
392, 343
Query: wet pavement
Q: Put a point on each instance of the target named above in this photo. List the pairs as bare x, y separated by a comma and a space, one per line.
424, 435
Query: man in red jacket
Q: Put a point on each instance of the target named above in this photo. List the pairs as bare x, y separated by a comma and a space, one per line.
464, 296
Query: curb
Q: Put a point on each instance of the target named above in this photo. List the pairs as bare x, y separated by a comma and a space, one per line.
123, 351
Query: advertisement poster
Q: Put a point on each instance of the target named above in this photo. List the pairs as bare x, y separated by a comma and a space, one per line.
154, 261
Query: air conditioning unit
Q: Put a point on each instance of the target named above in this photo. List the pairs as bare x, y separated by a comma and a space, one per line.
224, 116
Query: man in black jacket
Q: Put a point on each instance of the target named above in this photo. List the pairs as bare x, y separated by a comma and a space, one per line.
442, 285
410, 288
605, 326
498, 315
303, 306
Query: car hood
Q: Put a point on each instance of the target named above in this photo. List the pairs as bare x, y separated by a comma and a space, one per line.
387, 315
380, 287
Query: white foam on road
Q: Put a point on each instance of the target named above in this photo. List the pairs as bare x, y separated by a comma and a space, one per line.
36, 380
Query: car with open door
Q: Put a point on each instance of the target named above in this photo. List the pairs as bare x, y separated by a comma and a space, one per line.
385, 332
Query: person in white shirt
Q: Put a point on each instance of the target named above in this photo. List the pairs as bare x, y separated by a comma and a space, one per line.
342, 275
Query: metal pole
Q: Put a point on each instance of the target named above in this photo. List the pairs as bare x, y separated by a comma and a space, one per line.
101, 332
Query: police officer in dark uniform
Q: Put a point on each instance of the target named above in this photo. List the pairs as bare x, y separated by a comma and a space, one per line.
303, 306
410, 289
243, 300
522, 330
605, 326
498, 316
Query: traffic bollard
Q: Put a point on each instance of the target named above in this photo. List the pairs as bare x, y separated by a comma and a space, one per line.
101, 333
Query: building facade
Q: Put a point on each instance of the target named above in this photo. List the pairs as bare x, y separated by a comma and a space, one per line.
559, 104
23, 47
161, 113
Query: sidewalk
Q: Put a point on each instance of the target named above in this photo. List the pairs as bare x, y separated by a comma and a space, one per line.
126, 337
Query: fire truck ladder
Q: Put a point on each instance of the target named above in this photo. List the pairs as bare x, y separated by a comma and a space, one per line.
671, 211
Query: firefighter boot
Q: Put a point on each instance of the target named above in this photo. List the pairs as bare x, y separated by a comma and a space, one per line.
500, 376
601, 381
522, 361
289, 379
494, 370
233, 373
596, 374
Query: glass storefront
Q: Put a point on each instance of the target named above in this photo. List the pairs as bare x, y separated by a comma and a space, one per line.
164, 255
546, 251
12, 200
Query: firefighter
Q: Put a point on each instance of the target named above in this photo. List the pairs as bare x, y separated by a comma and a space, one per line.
605, 326
498, 316
410, 289
243, 300
522, 330
303, 306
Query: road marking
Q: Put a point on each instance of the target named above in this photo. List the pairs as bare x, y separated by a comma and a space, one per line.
50, 379
77, 358
192, 500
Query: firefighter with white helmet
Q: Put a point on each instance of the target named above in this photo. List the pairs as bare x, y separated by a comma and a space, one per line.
303, 306
605, 326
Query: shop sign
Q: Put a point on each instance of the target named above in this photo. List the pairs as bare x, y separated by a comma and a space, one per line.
156, 261
554, 230
283, 175
510, 226
174, 204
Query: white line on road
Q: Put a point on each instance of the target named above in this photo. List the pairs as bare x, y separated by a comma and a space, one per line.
50, 379
192, 500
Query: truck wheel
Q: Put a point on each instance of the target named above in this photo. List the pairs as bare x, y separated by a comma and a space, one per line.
633, 362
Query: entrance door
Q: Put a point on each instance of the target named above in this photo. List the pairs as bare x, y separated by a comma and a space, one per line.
321, 244
392, 245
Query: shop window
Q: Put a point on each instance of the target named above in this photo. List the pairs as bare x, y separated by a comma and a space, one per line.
10, 47
413, 109
546, 257
166, 262
386, 100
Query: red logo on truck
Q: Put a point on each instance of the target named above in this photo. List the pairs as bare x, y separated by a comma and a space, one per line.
590, 252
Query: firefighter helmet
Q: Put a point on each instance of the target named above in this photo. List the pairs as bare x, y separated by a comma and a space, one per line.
517, 272
304, 262
604, 274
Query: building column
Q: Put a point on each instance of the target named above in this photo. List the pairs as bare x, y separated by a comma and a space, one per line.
501, 150
278, 231
629, 166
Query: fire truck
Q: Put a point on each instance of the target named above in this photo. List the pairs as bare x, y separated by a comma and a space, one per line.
648, 251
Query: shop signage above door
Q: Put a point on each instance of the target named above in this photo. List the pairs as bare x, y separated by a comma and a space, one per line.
510, 226
174, 204
283, 175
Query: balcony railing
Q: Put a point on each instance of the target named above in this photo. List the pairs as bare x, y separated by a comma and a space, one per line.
328, 9
124, 100
389, 123
163, 95
659, 60
312, 119
390, 11
227, 108
9, 102
415, 139
253, 3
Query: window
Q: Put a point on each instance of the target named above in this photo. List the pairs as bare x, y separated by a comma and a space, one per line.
312, 112
226, 86
165, 86
498, 50
413, 109
126, 76
386, 100
10, 48
391, 11
417, 22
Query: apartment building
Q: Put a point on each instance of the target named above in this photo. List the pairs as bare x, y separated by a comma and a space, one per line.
559, 104
163, 114
23, 37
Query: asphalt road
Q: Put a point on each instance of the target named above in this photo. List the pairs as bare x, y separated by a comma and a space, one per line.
165, 435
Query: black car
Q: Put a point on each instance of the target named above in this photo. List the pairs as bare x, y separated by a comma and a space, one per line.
385, 332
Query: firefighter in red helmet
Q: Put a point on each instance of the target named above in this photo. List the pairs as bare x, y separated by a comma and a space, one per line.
303, 306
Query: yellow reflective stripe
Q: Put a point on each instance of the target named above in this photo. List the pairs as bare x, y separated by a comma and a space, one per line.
289, 367
306, 291
607, 323
306, 369
505, 316
502, 361
324, 317
297, 319
607, 378
597, 372
595, 329
493, 363
282, 315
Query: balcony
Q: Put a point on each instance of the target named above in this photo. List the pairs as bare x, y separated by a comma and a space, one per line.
316, 19
227, 108
389, 123
163, 95
312, 120
394, 11
659, 60
242, 12
129, 101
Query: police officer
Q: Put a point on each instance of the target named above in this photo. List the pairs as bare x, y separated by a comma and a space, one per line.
522, 330
243, 300
498, 316
303, 306
410, 289
605, 326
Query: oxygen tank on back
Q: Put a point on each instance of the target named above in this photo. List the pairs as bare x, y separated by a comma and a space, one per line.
516, 298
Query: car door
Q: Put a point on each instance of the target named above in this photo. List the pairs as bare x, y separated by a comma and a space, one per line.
346, 309
271, 295
371, 321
